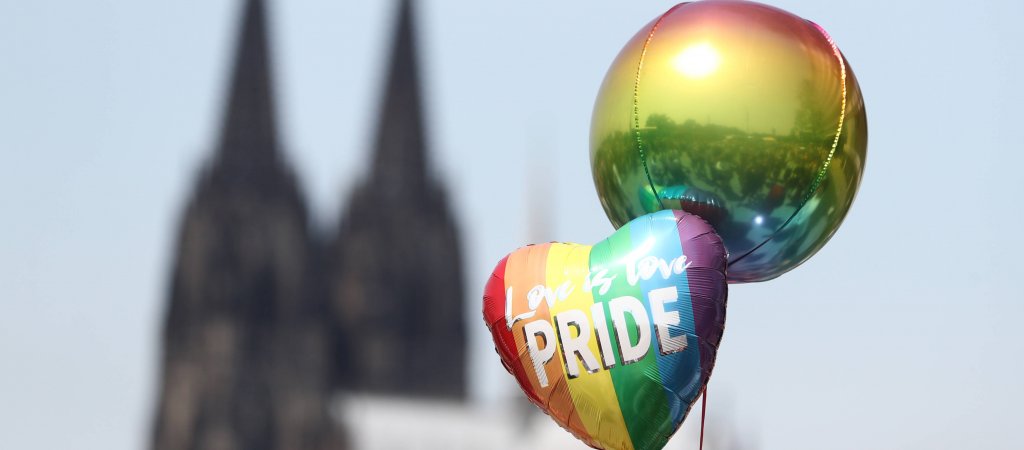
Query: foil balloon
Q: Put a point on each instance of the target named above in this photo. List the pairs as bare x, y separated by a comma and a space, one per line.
616, 341
739, 112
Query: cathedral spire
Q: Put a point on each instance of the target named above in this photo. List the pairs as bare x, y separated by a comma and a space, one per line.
396, 282
248, 135
400, 153
245, 350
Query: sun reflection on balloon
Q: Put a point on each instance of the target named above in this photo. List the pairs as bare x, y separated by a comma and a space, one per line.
697, 61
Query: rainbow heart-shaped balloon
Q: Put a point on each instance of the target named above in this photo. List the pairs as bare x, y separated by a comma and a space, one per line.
616, 341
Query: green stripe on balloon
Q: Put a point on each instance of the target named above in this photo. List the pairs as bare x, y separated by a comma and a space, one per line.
637, 385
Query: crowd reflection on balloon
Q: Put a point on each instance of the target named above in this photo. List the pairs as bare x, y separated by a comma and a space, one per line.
700, 167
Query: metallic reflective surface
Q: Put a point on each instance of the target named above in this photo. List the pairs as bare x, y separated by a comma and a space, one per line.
738, 112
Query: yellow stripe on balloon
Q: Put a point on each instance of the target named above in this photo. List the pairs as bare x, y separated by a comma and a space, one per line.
593, 394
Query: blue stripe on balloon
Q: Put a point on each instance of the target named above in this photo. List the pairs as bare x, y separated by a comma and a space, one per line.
680, 372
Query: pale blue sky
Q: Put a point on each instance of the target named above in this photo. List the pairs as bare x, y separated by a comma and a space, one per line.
903, 333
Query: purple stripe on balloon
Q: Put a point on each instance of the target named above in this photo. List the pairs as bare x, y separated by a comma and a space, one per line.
706, 276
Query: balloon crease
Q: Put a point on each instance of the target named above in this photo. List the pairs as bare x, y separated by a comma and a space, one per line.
823, 172
636, 102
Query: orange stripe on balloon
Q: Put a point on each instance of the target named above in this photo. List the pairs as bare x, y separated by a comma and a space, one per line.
524, 269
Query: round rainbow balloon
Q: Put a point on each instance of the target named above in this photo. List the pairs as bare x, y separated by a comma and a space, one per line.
742, 113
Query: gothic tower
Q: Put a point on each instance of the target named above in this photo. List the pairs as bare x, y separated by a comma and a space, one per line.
396, 285
244, 357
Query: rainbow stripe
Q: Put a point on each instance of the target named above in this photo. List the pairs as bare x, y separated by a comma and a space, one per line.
636, 405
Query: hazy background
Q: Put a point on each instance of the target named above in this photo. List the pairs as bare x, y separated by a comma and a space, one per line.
901, 334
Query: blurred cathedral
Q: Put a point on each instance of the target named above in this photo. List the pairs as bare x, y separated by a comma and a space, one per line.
266, 320
396, 269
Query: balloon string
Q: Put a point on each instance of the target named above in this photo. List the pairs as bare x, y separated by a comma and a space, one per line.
703, 414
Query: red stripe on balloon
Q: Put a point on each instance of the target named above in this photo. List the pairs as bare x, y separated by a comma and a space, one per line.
494, 316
